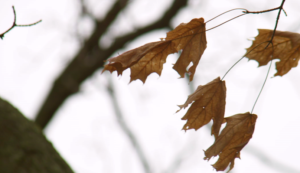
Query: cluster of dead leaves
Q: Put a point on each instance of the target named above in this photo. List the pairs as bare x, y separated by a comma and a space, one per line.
285, 47
208, 101
142, 61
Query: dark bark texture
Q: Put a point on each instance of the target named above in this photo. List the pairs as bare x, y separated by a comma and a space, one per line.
23, 146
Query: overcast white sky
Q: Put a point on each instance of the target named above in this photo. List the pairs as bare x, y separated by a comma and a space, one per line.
85, 129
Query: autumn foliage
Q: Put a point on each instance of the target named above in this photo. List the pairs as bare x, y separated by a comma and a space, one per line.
208, 101
233, 138
142, 61
285, 47
208, 104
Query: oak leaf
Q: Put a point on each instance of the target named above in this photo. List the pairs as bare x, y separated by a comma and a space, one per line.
150, 57
208, 104
285, 47
236, 134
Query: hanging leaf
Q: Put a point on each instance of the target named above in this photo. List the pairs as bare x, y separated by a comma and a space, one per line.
285, 47
150, 57
233, 138
142, 61
191, 38
208, 104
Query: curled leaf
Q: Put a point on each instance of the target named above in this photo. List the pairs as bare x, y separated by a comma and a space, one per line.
191, 38
285, 47
233, 138
208, 104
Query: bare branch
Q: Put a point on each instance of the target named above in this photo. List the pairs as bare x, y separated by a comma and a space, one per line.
280, 8
69, 81
258, 12
16, 25
245, 11
276, 23
90, 58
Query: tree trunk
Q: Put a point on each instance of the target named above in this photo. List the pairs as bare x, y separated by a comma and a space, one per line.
23, 146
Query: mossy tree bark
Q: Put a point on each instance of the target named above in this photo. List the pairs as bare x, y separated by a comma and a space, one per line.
23, 146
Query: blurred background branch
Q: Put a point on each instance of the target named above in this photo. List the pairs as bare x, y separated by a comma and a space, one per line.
125, 127
91, 57
134, 128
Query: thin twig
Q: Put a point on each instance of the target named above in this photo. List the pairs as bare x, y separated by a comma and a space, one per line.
269, 10
241, 59
276, 23
251, 12
137, 147
16, 25
244, 13
225, 13
262, 86
226, 22
258, 12
232, 67
264, 80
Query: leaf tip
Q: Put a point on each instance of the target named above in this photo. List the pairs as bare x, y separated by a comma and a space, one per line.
180, 107
206, 158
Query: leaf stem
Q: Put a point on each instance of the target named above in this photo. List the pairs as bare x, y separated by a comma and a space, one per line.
252, 12
262, 86
244, 13
232, 67
226, 21
270, 42
225, 13
241, 59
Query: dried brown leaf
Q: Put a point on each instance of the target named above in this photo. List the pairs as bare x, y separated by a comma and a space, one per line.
285, 47
208, 103
142, 61
233, 138
150, 57
191, 38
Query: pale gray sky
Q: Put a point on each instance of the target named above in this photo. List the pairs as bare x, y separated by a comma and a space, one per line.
85, 130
